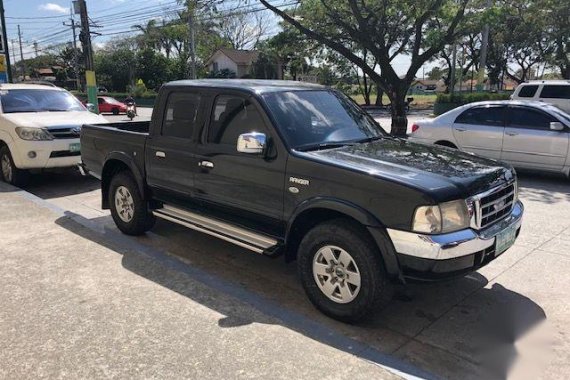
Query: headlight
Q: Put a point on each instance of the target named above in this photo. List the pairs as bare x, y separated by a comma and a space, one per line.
442, 218
33, 134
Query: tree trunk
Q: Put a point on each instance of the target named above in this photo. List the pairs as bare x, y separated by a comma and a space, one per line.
398, 112
379, 94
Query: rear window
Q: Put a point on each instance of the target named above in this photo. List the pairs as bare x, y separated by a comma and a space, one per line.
555, 92
492, 116
527, 91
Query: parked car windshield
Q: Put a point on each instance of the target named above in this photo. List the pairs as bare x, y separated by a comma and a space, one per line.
38, 100
315, 119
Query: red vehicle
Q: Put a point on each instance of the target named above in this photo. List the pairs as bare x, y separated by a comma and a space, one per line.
108, 104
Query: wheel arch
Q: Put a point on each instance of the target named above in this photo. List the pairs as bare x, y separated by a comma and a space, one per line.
115, 163
446, 143
311, 213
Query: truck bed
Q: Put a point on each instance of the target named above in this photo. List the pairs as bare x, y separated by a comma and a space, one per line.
102, 141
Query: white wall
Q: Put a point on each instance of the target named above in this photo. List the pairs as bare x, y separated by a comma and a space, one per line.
223, 63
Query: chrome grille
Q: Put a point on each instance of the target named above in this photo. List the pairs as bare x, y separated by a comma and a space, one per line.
65, 132
495, 205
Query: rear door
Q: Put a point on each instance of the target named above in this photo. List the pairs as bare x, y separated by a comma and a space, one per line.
480, 130
169, 151
557, 95
246, 187
529, 142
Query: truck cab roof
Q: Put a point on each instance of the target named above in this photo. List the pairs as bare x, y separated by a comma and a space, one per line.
251, 85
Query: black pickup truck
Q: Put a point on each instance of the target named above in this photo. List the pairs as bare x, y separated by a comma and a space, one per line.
284, 168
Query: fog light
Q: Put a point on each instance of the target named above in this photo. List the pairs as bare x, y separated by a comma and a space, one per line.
32, 154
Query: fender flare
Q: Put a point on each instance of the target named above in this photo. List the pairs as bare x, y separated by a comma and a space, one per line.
372, 224
130, 163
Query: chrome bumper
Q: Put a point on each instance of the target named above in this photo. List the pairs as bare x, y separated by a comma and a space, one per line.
454, 244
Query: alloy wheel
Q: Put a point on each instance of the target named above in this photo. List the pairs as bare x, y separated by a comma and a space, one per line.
336, 274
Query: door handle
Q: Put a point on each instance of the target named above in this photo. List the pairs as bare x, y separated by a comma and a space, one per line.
160, 154
511, 133
460, 129
206, 164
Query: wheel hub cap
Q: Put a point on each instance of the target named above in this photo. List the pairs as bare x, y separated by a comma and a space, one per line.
124, 204
336, 274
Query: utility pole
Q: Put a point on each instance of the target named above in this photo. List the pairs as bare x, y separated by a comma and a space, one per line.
192, 5
5, 43
85, 38
36, 48
483, 60
74, 25
21, 54
13, 48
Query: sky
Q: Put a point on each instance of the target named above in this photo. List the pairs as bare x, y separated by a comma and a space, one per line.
41, 21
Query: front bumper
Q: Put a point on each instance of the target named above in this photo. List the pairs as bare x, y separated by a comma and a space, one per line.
49, 154
433, 257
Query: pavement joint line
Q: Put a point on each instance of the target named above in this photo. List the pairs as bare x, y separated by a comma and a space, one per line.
295, 321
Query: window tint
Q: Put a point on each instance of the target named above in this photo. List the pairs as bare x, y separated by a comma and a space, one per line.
233, 115
492, 116
555, 92
527, 91
527, 118
181, 114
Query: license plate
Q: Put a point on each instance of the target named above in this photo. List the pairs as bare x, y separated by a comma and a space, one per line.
505, 239
76, 147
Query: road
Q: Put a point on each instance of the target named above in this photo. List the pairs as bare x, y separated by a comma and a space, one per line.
82, 300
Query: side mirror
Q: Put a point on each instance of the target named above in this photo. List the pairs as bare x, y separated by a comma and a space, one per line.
251, 143
90, 107
556, 126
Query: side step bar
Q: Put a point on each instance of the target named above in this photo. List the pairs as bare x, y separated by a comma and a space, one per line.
225, 231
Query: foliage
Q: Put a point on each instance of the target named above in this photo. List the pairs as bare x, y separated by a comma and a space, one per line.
224, 73
471, 97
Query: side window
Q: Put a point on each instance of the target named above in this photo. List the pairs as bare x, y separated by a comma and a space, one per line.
232, 116
530, 119
492, 116
181, 114
555, 92
528, 91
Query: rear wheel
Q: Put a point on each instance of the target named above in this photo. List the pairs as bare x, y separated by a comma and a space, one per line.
128, 209
115, 111
342, 271
9, 172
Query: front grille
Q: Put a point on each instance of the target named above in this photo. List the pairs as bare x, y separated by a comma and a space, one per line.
63, 153
496, 205
65, 133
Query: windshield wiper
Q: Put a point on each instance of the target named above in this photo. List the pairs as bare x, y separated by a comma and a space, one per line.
374, 138
321, 146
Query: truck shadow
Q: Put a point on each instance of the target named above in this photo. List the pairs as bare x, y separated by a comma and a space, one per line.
543, 187
60, 183
453, 329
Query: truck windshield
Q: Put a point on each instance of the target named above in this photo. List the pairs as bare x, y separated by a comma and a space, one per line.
319, 119
38, 100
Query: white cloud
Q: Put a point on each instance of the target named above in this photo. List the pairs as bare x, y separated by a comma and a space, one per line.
52, 7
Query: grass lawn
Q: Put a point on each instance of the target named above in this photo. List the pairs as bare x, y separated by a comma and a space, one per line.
420, 101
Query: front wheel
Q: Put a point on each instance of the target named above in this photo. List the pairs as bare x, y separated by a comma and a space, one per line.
342, 271
128, 209
9, 172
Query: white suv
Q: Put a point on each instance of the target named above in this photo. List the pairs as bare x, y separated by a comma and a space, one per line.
555, 92
39, 128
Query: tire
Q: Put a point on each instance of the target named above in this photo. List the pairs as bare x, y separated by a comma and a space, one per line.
135, 218
338, 236
8, 170
115, 111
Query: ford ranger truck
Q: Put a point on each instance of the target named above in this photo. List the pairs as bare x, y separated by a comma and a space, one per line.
39, 129
299, 170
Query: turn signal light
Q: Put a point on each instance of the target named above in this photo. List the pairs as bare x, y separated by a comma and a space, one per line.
415, 127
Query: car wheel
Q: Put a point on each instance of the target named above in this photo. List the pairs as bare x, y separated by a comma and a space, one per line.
8, 170
342, 271
115, 111
128, 209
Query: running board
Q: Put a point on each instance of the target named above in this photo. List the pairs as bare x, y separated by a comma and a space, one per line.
225, 231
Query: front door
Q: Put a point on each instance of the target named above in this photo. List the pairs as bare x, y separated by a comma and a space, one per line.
170, 152
529, 142
242, 186
480, 130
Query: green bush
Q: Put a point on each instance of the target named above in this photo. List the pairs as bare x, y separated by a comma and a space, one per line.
471, 97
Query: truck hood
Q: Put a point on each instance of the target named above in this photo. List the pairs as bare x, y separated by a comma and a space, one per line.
53, 119
441, 172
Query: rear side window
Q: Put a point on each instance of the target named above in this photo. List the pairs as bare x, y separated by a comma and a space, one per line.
492, 116
555, 92
527, 91
528, 118
181, 115
232, 116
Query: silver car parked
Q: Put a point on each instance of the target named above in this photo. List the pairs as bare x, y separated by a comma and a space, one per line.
526, 134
